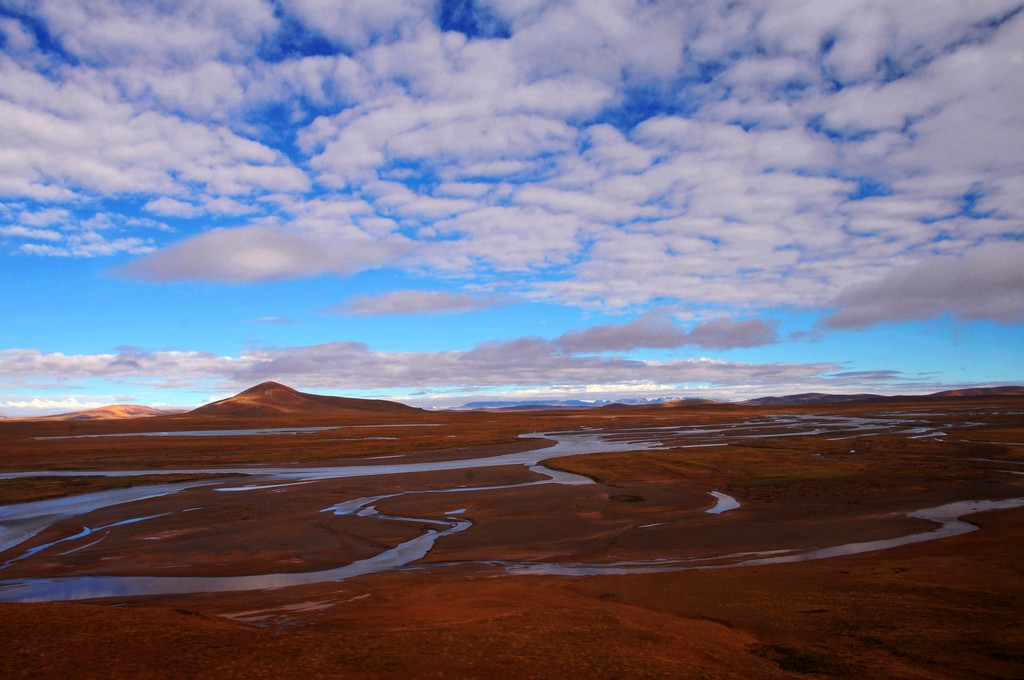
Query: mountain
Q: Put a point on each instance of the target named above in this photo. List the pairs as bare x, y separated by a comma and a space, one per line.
529, 405
552, 404
275, 399
810, 398
1011, 391
819, 398
114, 412
679, 403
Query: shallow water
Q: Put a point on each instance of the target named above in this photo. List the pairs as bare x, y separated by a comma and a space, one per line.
198, 433
948, 516
237, 433
20, 522
725, 503
85, 587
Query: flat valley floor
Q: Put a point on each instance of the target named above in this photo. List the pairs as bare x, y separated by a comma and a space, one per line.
869, 540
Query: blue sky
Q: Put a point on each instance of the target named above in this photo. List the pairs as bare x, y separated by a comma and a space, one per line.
441, 202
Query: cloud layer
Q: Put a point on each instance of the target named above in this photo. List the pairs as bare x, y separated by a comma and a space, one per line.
985, 283
741, 154
522, 362
655, 331
704, 171
415, 302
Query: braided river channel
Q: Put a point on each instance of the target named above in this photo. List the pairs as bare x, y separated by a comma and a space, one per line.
22, 525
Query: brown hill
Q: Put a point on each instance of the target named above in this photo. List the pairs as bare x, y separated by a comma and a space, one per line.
275, 399
662, 405
810, 398
1012, 391
113, 412
816, 398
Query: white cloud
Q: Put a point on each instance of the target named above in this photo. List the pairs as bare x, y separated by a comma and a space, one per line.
223, 205
258, 253
985, 283
172, 207
90, 244
211, 90
359, 23
727, 334
38, 406
67, 236
603, 154
511, 239
112, 31
18, 231
109, 147
602, 40
860, 156
414, 302
45, 217
22, 364
15, 36
656, 330
347, 365
403, 128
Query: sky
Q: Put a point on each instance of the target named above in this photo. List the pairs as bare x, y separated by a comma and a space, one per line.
442, 202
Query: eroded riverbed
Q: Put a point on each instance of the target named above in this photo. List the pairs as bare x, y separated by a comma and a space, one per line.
58, 534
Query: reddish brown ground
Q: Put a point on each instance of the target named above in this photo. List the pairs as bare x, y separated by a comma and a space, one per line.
944, 609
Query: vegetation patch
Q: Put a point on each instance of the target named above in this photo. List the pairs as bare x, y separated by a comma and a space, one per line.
797, 477
804, 661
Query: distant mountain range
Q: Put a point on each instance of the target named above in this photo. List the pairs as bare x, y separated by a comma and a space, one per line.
113, 412
806, 398
547, 404
819, 398
274, 399
981, 392
810, 398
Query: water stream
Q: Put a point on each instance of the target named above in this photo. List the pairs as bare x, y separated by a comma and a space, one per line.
948, 517
18, 523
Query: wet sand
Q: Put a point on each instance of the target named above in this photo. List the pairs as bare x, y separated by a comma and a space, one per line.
936, 609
